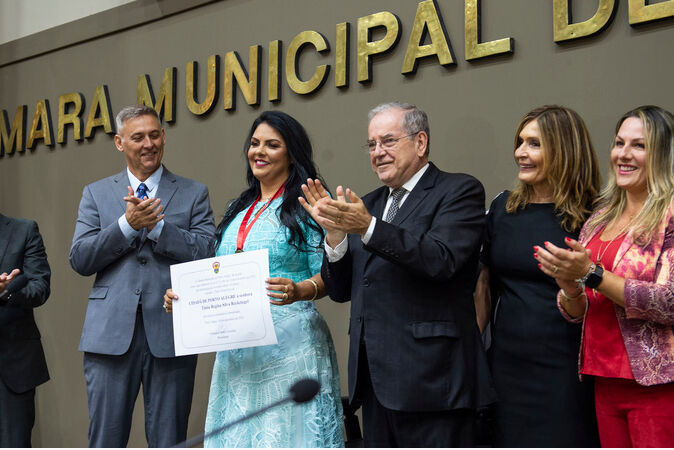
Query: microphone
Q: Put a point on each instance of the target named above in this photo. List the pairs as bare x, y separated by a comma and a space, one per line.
15, 285
300, 392
304, 390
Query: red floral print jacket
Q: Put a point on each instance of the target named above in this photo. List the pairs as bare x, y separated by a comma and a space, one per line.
647, 319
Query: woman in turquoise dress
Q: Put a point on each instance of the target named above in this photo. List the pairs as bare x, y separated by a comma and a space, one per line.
279, 160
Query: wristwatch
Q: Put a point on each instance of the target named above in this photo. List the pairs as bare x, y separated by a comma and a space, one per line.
595, 277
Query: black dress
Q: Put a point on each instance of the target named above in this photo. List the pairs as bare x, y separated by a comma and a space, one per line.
534, 350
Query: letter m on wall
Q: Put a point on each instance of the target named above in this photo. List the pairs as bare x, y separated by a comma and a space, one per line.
165, 104
13, 138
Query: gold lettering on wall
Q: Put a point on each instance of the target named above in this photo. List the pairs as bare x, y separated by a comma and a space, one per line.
342, 54
641, 12
565, 31
13, 139
100, 113
427, 23
299, 42
192, 83
41, 128
165, 104
74, 117
473, 35
236, 74
366, 48
274, 90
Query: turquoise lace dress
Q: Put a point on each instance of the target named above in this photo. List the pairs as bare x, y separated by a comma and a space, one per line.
245, 380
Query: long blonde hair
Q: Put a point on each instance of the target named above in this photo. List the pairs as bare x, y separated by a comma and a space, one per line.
569, 162
658, 126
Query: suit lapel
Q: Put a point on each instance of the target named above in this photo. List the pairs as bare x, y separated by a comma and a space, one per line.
375, 204
167, 187
5, 232
378, 203
416, 197
412, 202
121, 182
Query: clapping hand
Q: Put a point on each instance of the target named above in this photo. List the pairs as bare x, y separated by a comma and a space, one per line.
5, 278
142, 213
564, 265
338, 217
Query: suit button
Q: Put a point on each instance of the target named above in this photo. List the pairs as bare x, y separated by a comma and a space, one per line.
143, 262
137, 291
366, 282
118, 251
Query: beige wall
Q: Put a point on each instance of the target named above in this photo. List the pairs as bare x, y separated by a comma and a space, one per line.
473, 110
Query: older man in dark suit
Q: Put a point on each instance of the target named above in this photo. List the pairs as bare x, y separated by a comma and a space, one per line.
406, 256
24, 285
130, 228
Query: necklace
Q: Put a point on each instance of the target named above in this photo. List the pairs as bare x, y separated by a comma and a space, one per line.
602, 251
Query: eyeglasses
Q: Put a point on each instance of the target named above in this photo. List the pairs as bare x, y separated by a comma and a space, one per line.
387, 143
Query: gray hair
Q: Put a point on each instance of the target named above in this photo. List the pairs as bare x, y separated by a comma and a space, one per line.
131, 112
414, 121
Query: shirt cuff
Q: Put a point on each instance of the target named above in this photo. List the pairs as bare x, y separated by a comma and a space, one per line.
156, 231
338, 252
370, 229
128, 232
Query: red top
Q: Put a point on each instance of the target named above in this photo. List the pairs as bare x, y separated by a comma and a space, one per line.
603, 352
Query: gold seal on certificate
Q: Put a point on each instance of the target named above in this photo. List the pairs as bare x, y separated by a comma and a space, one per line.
222, 303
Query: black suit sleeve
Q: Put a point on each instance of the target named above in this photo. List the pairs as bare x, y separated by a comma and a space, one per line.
337, 277
36, 268
439, 243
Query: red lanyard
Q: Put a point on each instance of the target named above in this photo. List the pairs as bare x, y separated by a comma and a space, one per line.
245, 227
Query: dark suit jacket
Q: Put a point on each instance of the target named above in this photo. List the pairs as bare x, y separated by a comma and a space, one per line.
127, 273
22, 361
411, 292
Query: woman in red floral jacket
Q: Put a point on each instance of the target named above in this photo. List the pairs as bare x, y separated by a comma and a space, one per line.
618, 278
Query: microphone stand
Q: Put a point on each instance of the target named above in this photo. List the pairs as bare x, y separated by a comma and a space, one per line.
198, 439
301, 392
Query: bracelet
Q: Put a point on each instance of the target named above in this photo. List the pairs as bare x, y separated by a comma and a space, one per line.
581, 281
315, 289
567, 298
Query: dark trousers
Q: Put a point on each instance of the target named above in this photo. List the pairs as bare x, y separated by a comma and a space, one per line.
383, 427
17, 416
113, 383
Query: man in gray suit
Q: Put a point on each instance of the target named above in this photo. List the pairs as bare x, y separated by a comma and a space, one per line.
130, 228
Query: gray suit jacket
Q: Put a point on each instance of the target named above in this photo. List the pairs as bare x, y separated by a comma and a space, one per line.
127, 273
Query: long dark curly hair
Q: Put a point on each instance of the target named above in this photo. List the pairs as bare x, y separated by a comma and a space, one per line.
301, 167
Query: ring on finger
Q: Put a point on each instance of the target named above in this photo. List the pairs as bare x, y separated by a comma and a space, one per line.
285, 288
555, 268
339, 219
285, 296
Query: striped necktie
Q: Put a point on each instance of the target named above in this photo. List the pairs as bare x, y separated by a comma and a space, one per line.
396, 195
